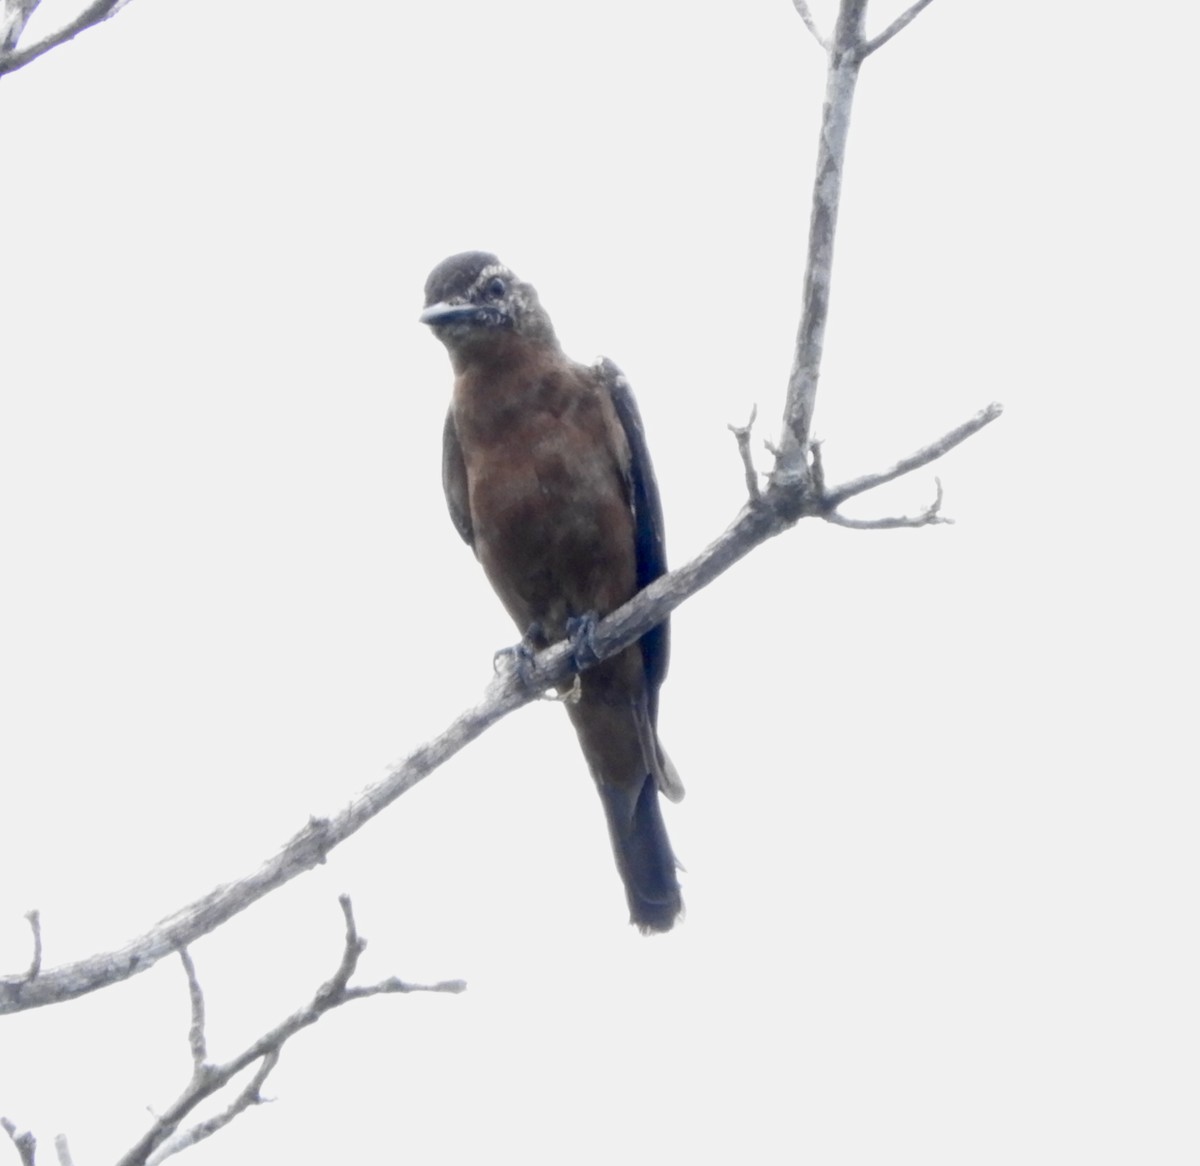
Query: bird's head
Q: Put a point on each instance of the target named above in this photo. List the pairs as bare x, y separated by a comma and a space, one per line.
472, 300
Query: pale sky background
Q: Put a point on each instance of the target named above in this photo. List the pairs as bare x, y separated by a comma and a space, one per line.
940, 833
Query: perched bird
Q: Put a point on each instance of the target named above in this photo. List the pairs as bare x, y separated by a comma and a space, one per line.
548, 479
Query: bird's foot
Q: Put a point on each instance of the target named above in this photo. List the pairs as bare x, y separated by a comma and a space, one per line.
520, 656
581, 634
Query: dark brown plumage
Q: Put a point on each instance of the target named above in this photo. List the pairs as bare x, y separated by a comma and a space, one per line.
548, 479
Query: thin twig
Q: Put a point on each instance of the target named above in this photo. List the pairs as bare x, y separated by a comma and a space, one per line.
810, 23
394, 986
930, 516
196, 1038
898, 25
930, 453
35, 925
352, 948
741, 434
816, 468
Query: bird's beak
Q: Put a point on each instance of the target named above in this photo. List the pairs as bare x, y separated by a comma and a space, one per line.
473, 315
444, 313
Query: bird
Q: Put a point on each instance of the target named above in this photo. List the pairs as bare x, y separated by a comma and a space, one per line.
548, 479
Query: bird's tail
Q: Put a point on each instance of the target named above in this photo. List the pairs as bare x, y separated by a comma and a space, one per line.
643, 852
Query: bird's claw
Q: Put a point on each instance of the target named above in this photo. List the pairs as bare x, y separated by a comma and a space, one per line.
519, 657
581, 634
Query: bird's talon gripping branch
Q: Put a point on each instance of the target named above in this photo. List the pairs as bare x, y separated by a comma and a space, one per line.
518, 657
581, 632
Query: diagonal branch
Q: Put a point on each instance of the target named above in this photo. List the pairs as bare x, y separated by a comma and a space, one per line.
779, 508
802, 8
12, 58
14, 16
930, 453
898, 25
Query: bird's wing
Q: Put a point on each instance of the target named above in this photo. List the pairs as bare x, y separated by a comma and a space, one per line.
454, 482
648, 521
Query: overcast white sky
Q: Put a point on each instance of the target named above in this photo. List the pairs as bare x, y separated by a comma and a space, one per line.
940, 833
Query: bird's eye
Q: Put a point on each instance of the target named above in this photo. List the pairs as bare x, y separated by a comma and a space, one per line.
496, 289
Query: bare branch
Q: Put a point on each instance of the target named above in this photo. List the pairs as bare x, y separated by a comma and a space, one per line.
95, 13
35, 925
196, 1039
250, 1095
25, 1143
816, 469
163, 1138
930, 453
394, 986
898, 25
810, 24
351, 950
14, 16
741, 434
840, 82
847, 51
930, 516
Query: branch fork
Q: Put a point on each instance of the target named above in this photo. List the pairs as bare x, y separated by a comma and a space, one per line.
165, 1137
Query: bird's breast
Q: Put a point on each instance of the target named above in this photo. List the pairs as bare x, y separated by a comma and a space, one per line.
548, 500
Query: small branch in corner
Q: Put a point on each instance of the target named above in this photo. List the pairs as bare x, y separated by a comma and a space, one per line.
741, 434
13, 58
35, 925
